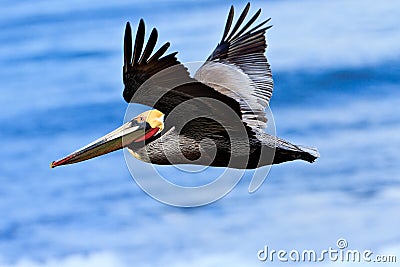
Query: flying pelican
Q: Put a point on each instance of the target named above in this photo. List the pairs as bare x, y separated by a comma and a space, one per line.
216, 118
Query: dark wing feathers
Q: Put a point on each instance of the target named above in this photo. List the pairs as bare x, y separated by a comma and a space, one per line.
243, 48
227, 44
139, 41
140, 67
172, 85
159, 52
248, 24
127, 46
228, 23
240, 20
151, 43
260, 25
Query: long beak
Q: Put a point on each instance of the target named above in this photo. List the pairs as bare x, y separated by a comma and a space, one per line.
123, 136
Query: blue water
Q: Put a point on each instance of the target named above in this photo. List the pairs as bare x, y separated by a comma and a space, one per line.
336, 66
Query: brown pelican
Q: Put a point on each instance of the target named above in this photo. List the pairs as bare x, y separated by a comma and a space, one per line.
216, 118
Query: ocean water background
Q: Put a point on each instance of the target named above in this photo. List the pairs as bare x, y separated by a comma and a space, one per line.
336, 66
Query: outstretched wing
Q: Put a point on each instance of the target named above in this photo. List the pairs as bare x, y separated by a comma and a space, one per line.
138, 66
171, 88
239, 69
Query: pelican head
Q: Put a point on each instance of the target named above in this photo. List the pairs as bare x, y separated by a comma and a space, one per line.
143, 127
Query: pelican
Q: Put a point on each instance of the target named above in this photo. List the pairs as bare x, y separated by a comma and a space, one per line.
216, 118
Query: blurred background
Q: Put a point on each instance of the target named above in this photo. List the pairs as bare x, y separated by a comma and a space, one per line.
336, 66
